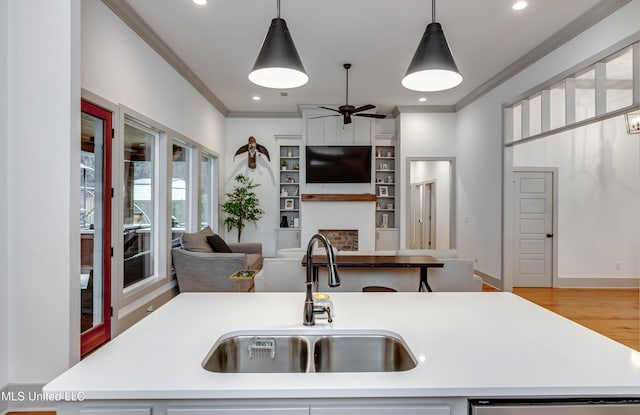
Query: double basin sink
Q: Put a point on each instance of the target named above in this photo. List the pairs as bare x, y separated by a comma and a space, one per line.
323, 351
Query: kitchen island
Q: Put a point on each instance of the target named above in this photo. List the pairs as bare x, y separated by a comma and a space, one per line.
466, 345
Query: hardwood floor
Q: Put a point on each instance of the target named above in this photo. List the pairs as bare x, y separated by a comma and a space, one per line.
614, 313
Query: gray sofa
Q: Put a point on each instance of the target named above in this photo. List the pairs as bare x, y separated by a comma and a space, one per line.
201, 269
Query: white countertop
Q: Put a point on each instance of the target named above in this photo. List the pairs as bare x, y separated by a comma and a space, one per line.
467, 345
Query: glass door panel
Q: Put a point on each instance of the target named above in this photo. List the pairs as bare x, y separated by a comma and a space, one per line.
95, 226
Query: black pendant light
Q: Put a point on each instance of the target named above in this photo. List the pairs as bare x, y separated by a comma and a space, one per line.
432, 67
278, 64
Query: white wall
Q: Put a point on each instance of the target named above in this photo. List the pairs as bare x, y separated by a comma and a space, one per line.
43, 131
426, 135
480, 137
599, 197
119, 66
238, 131
4, 177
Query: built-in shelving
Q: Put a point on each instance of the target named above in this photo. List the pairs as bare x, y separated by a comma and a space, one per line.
385, 185
289, 186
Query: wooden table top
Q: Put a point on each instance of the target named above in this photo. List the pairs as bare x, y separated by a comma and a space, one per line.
398, 261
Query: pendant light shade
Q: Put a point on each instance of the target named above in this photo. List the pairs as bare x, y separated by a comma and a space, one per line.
432, 67
278, 64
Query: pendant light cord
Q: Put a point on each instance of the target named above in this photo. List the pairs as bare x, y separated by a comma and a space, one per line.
433, 10
278, 7
347, 103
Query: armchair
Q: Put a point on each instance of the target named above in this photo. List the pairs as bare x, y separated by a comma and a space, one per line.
210, 271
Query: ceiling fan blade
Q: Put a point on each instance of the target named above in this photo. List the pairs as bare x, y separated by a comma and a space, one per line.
371, 115
330, 109
324, 116
363, 108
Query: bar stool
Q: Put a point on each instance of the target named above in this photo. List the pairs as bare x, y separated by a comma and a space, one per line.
378, 289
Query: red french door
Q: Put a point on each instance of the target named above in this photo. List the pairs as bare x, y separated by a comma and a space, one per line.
95, 227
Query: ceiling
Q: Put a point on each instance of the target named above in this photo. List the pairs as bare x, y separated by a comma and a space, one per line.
219, 42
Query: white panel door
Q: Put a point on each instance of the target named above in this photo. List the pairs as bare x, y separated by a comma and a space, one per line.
533, 229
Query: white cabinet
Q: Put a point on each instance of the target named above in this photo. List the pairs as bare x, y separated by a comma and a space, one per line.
125, 410
387, 239
288, 238
302, 410
332, 130
381, 410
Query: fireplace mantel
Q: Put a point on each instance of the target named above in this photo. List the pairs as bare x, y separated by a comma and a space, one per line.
338, 197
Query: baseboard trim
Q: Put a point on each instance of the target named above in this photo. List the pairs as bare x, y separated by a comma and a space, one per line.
598, 282
22, 397
489, 280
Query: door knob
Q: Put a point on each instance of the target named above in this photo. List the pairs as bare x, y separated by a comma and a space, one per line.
549, 235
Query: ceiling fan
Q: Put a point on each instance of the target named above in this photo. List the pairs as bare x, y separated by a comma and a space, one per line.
347, 110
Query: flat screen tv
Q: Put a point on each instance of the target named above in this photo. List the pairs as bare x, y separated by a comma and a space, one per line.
338, 164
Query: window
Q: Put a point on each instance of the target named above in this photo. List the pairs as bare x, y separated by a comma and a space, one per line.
620, 80
206, 190
602, 88
140, 172
586, 95
180, 169
557, 106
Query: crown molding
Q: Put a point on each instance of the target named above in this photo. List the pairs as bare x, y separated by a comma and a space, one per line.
415, 109
583, 22
258, 114
131, 18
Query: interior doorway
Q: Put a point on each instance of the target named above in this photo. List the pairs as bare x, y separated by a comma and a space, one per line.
422, 226
431, 203
533, 228
95, 226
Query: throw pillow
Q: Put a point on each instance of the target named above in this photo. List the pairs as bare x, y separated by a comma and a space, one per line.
218, 244
197, 242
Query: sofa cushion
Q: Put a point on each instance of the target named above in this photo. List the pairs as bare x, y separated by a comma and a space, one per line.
197, 242
218, 244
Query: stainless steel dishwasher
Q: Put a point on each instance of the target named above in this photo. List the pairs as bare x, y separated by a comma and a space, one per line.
593, 406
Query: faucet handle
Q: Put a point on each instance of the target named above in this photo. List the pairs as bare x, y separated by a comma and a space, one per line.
320, 309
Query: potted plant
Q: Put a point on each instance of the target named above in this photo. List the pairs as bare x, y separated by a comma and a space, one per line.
283, 165
242, 205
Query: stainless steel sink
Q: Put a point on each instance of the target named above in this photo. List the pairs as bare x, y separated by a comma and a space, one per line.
333, 351
354, 353
258, 354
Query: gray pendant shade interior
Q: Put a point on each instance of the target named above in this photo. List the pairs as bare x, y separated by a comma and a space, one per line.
278, 64
432, 67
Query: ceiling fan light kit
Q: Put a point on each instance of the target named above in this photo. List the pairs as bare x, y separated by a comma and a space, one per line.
432, 67
278, 64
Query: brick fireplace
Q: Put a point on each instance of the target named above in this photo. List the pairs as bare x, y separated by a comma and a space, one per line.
340, 212
342, 239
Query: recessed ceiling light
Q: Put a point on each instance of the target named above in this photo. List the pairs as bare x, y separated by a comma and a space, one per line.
200, 2
256, 98
519, 5
423, 99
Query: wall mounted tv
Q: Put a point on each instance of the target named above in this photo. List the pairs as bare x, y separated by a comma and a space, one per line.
338, 164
